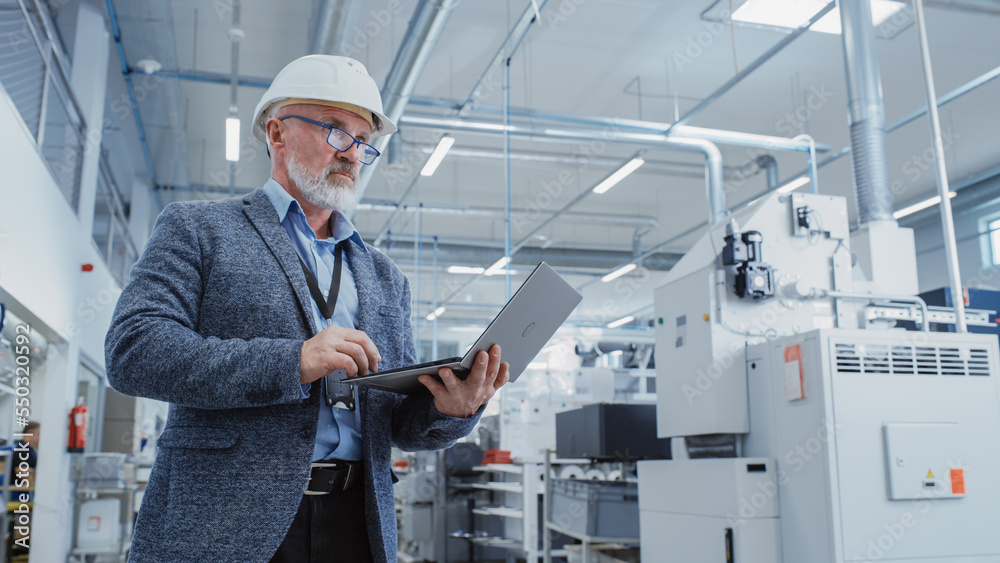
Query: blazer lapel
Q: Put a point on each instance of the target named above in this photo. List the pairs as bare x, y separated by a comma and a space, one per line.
259, 210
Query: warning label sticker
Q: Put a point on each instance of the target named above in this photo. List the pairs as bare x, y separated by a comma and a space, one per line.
794, 374
958, 481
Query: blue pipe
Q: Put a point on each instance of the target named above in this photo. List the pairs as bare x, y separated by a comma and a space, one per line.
116, 32
209, 77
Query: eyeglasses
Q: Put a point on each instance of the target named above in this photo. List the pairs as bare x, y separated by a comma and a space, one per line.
342, 140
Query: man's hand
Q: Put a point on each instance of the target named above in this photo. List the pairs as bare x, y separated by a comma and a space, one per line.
337, 348
462, 399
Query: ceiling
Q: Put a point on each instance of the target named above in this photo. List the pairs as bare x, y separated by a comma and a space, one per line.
585, 57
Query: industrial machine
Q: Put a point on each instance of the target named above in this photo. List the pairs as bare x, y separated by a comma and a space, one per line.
852, 439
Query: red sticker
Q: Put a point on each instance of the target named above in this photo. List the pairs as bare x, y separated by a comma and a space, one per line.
958, 481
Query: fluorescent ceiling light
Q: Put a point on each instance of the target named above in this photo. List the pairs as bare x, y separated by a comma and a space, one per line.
620, 272
438, 155
792, 185
922, 205
621, 321
437, 313
497, 266
465, 270
615, 353
619, 175
795, 13
232, 139
538, 365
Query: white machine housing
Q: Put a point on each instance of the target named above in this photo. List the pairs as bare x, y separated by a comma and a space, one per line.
709, 510
702, 327
893, 452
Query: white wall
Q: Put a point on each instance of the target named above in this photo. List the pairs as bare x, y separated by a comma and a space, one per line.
42, 248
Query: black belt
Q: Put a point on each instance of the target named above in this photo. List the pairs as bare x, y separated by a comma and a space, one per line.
332, 476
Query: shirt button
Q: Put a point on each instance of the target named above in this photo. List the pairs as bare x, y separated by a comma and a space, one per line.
326, 293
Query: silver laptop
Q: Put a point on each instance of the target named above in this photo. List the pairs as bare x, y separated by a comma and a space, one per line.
524, 325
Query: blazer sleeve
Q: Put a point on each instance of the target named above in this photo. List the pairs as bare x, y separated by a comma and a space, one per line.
153, 349
416, 423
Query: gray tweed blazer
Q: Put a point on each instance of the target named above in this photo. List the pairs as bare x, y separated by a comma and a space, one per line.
213, 322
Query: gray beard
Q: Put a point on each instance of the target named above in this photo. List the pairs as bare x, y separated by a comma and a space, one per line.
323, 190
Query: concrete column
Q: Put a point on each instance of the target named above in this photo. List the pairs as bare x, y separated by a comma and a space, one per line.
89, 80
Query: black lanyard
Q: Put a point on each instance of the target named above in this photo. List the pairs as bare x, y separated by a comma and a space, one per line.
326, 306
336, 390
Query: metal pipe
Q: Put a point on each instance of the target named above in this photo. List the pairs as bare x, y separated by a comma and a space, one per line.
947, 220
625, 221
333, 19
721, 136
502, 56
768, 163
418, 247
401, 251
661, 166
976, 6
235, 34
925, 325
508, 252
750, 68
716, 194
866, 113
426, 24
434, 328
116, 33
657, 141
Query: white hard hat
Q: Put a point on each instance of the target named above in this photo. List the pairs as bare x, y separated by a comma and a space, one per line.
329, 80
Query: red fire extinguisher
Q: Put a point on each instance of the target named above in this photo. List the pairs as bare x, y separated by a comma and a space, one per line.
77, 428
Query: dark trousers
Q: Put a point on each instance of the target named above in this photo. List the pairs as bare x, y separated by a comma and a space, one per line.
328, 529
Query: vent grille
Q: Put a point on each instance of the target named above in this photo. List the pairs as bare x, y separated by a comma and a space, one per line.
887, 359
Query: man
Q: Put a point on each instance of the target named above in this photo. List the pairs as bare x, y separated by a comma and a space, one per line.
224, 318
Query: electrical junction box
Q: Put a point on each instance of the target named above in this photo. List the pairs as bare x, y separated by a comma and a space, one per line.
923, 461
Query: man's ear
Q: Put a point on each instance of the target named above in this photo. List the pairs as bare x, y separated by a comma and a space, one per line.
273, 135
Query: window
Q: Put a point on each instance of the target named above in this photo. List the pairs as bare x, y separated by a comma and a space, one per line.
994, 234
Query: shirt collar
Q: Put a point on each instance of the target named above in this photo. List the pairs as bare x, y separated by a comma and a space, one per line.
284, 203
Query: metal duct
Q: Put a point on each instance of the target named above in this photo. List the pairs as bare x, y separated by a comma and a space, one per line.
401, 252
767, 163
426, 25
713, 158
333, 19
673, 168
866, 113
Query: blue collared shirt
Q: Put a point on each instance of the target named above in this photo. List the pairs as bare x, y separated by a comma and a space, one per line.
338, 434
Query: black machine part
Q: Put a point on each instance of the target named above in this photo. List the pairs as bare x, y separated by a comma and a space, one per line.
752, 277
